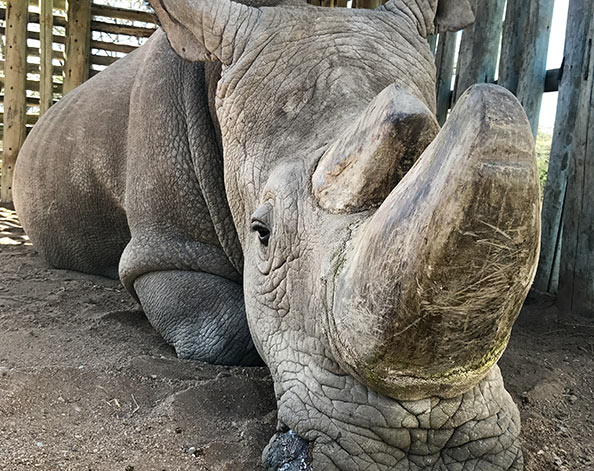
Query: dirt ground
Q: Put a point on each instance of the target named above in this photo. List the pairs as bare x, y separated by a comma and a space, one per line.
86, 384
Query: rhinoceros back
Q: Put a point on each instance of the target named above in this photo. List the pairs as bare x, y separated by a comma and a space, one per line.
128, 163
70, 176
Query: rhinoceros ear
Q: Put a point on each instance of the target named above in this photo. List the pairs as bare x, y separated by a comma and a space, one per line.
434, 16
453, 15
205, 30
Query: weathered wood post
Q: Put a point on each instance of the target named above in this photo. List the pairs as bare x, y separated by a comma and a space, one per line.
46, 23
564, 143
576, 277
479, 48
15, 105
78, 41
525, 44
444, 62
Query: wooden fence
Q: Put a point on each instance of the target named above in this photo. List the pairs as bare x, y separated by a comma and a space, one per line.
508, 42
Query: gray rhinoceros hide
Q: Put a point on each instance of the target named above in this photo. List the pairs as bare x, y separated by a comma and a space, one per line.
271, 183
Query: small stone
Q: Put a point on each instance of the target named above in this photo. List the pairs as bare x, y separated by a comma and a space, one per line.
178, 430
191, 450
129, 468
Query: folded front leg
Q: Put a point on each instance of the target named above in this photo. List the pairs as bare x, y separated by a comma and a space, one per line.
201, 315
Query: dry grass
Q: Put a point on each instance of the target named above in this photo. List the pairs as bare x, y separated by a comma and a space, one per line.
543, 150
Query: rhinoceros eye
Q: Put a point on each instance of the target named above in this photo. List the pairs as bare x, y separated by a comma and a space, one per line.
262, 222
263, 231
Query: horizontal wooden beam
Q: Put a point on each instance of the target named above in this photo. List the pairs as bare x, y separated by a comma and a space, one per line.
33, 68
552, 80
101, 26
103, 60
103, 45
58, 4
31, 118
34, 52
122, 13
34, 18
33, 85
31, 101
112, 47
136, 31
57, 38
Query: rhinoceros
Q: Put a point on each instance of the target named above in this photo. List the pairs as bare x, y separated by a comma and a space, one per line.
268, 179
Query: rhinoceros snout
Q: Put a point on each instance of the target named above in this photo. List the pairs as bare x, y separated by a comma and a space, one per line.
434, 280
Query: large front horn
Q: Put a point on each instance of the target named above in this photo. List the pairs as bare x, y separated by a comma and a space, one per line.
427, 292
205, 30
360, 169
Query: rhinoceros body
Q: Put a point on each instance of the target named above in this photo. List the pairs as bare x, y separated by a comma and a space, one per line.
129, 164
271, 184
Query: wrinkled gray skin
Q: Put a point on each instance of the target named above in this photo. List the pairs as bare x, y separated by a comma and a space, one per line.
128, 170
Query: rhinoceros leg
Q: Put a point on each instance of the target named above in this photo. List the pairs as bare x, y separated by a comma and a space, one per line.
183, 261
201, 315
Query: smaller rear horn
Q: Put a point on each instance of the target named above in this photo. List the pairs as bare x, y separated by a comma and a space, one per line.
362, 167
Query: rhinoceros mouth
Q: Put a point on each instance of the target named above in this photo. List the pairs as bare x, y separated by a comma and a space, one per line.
429, 286
338, 423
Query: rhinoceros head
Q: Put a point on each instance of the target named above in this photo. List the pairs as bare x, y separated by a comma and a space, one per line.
385, 259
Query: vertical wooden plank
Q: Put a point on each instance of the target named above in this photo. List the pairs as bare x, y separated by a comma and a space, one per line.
444, 61
525, 44
78, 40
563, 147
46, 23
479, 48
576, 277
15, 76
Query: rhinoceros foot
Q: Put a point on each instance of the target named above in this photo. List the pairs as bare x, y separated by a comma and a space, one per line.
201, 315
